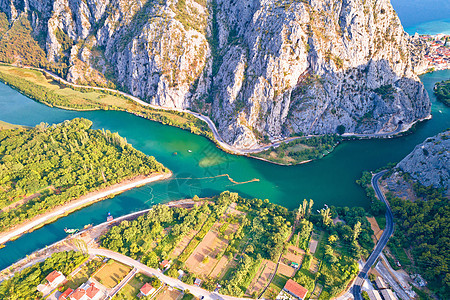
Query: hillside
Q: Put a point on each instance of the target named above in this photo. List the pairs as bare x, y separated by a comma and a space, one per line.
260, 69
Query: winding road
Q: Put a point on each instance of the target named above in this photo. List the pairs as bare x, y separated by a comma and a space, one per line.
388, 231
255, 148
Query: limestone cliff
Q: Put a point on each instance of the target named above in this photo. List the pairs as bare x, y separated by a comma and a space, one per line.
259, 68
429, 162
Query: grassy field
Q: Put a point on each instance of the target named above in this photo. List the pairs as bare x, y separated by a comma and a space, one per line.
45, 89
111, 273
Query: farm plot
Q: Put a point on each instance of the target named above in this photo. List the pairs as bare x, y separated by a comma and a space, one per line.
314, 267
203, 259
111, 273
294, 254
169, 294
183, 244
286, 270
262, 277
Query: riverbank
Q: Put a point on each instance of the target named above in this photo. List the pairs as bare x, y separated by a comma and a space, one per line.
98, 98
81, 202
92, 233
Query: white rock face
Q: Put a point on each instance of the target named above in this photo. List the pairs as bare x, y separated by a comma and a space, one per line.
429, 162
257, 67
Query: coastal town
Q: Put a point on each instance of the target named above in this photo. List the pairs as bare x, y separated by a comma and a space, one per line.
437, 51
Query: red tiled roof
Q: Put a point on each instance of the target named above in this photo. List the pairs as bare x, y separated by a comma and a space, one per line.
146, 289
79, 292
65, 294
295, 289
92, 291
164, 263
52, 276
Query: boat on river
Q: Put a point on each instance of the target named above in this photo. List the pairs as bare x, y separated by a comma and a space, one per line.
70, 230
109, 217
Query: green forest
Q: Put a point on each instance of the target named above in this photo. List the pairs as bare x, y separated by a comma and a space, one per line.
442, 91
46, 166
23, 284
423, 226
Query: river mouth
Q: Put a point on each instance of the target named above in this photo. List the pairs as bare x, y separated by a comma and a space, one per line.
200, 168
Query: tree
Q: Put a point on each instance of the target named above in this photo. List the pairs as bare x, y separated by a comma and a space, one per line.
326, 216
356, 230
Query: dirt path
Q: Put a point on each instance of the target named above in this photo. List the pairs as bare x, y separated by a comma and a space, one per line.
80, 202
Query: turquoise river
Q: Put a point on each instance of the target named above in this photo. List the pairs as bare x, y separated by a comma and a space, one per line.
330, 180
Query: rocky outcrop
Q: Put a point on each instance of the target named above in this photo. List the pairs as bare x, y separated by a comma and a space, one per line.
271, 68
429, 162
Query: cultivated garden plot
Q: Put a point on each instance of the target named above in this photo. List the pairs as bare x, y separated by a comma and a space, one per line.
183, 243
203, 259
111, 273
169, 294
262, 277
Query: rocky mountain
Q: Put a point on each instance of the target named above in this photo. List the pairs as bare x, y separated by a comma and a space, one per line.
429, 162
259, 68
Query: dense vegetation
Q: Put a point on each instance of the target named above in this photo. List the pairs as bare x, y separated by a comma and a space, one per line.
423, 226
52, 165
442, 91
17, 45
262, 233
35, 85
301, 150
23, 284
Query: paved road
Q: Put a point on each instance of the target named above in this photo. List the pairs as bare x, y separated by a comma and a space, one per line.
196, 291
388, 231
255, 148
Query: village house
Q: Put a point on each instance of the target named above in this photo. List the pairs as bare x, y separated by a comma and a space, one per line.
380, 283
295, 290
147, 290
388, 294
55, 278
165, 264
87, 291
374, 295
197, 282
65, 295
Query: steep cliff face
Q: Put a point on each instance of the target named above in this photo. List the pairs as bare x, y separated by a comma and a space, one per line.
429, 162
258, 68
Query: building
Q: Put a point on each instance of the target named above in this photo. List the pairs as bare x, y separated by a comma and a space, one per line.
388, 294
374, 295
197, 282
55, 278
147, 289
65, 295
380, 283
86, 292
165, 264
295, 289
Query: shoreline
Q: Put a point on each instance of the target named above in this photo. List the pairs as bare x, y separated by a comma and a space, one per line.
217, 139
83, 201
34, 257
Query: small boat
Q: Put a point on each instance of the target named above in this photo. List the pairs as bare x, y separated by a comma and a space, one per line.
70, 230
87, 226
189, 151
109, 217
175, 153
